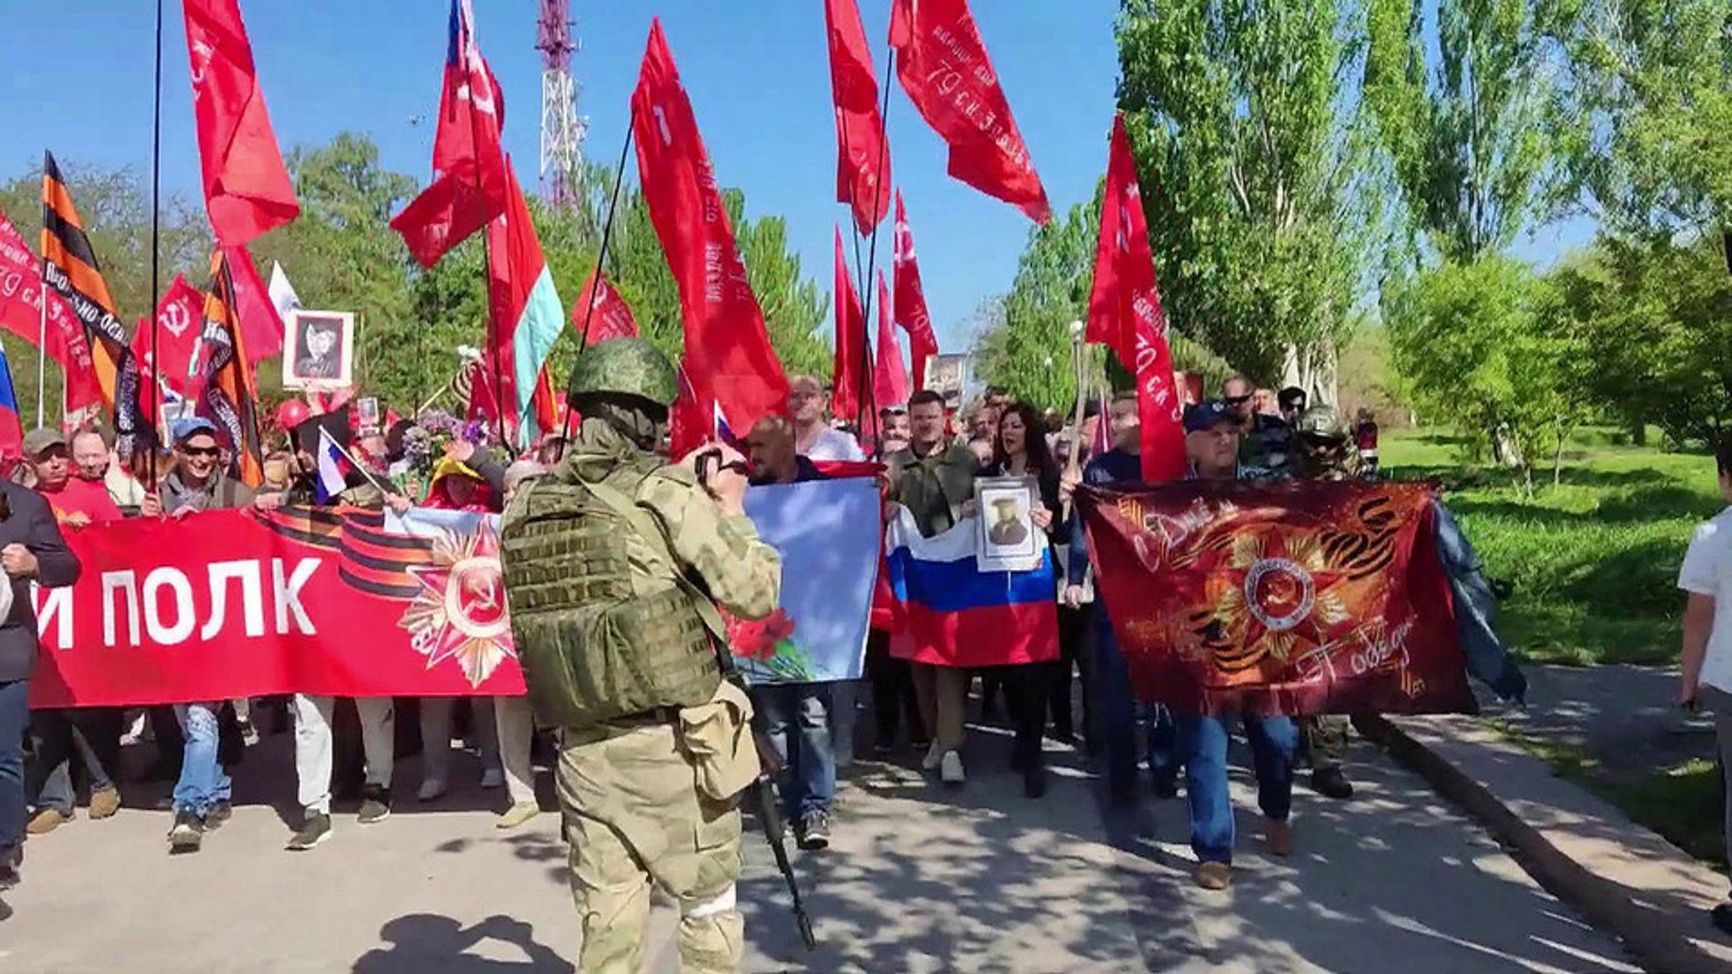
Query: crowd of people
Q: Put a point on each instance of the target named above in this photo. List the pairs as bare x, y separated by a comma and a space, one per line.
930, 452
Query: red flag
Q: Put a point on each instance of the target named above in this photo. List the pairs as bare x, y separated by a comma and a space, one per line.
862, 153
227, 397
469, 185
1125, 313
942, 64
849, 368
21, 295
178, 326
246, 189
525, 320
730, 369
257, 313
910, 310
890, 380
608, 316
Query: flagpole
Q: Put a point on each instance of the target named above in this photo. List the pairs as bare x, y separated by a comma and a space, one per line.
601, 252
42, 344
487, 258
155, 263
866, 388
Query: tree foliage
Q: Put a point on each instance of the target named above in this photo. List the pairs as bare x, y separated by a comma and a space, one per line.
1256, 171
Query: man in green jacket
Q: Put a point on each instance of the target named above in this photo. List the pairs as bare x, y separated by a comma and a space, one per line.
614, 564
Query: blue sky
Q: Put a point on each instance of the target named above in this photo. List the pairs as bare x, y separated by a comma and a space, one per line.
75, 76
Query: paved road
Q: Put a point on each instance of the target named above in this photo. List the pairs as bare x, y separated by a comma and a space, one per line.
920, 880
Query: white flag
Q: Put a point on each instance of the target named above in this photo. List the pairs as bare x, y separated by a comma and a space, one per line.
282, 292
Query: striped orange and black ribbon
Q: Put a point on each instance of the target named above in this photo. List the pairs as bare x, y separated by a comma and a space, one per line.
227, 397
369, 558
69, 266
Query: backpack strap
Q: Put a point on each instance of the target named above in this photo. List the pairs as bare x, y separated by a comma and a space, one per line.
661, 552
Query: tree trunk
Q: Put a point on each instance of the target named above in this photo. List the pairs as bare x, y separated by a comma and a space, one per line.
1312, 368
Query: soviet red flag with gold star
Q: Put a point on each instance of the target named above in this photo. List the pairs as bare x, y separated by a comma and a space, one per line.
1292, 598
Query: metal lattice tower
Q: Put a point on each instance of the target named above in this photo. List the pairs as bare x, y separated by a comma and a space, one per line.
562, 129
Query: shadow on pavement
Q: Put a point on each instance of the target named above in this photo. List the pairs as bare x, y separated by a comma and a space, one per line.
425, 942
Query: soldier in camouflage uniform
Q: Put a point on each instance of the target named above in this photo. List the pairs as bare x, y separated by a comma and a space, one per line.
611, 562
1322, 450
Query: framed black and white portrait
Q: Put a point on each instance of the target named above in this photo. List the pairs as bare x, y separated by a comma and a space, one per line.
1008, 541
318, 350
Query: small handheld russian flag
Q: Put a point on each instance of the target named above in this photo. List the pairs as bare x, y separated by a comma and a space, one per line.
333, 466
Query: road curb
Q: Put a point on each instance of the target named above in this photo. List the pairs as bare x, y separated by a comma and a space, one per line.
1607, 905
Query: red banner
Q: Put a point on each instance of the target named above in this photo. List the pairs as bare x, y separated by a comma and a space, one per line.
21, 294
179, 323
848, 364
732, 376
862, 154
890, 380
910, 309
231, 604
608, 315
1125, 313
1292, 598
942, 64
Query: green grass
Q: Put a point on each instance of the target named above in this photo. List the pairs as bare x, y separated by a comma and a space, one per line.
1593, 561
1681, 804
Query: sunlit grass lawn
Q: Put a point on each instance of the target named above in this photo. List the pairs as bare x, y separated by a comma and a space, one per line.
1593, 561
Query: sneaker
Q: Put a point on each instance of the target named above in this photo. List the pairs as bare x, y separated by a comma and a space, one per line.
375, 805
187, 833
1722, 918
1331, 783
950, 769
1034, 782
493, 778
315, 828
47, 821
934, 757
432, 789
517, 815
1279, 836
814, 831
1214, 875
249, 733
104, 803
218, 814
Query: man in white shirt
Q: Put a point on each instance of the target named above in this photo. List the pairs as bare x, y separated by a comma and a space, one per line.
1707, 658
813, 437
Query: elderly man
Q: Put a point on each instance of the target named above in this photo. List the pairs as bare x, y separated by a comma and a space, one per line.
31, 550
1212, 444
934, 481
798, 717
78, 498
813, 436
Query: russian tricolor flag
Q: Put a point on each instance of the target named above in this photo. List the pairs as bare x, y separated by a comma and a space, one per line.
332, 465
11, 425
950, 613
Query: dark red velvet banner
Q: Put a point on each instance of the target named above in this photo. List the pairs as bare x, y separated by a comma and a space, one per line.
1290, 598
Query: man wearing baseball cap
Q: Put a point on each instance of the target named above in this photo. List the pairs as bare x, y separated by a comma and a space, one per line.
1212, 444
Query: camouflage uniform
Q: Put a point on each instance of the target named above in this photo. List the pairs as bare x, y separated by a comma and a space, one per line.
1322, 450
634, 813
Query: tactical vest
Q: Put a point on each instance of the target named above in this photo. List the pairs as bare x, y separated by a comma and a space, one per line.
592, 649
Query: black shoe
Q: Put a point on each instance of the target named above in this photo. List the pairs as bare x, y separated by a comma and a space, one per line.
375, 805
814, 831
1722, 917
11, 862
187, 833
884, 750
1034, 782
1166, 787
314, 830
1122, 792
219, 813
1065, 736
1331, 783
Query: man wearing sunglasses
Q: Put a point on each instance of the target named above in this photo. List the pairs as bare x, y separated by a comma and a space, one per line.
1264, 440
198, 482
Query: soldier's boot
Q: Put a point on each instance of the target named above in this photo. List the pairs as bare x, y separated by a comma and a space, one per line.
1326, 739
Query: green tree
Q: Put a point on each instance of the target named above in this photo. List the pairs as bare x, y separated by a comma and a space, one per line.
1477, 347
1255, 169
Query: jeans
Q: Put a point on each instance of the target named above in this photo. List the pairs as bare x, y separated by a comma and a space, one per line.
1116, 711
1203, 742
92, 733
313, 746
14, 718
796, 720
203, 782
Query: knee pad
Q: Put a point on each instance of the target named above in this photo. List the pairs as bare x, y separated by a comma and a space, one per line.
723, 902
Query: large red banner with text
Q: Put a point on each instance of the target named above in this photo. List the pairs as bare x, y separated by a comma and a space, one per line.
1293, 598
230, 604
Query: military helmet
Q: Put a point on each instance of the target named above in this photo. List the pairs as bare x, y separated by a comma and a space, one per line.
624, 366
1322, 423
